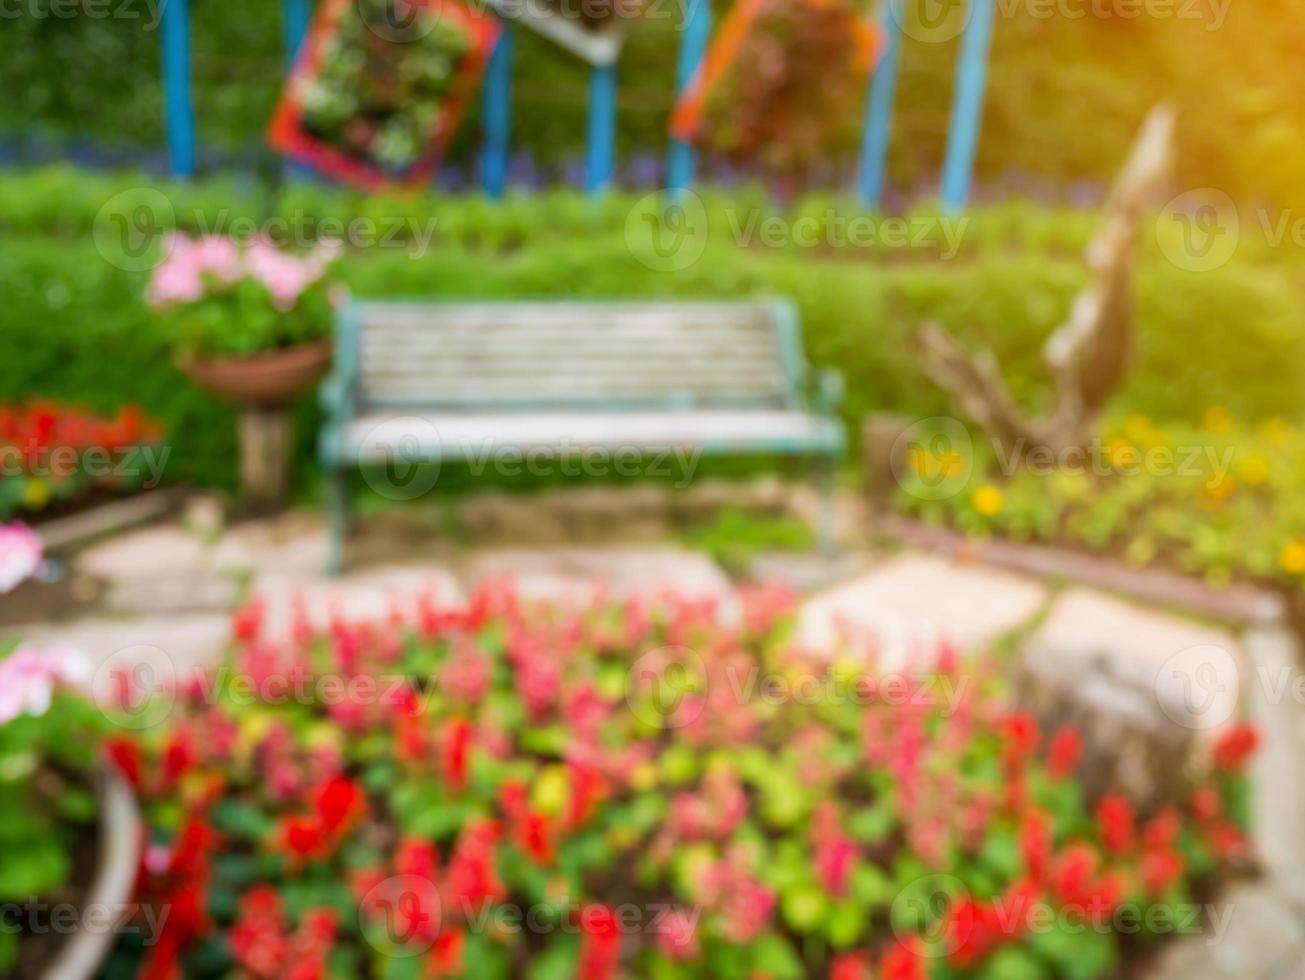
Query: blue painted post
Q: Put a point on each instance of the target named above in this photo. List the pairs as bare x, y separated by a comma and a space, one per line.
967, 108
497, 114
879, 111
600, 153
294, 25
680, 161
179, 115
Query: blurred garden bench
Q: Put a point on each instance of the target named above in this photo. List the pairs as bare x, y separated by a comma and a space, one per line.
421, 382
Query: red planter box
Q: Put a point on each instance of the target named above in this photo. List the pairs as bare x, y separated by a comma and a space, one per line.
381, 47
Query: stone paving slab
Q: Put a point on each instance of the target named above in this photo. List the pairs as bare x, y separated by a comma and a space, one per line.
1256, 937
910, 603
145, 555
572, 574
1151, 666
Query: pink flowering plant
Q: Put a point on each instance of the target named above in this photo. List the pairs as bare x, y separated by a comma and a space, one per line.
229, 298
499, 788
49, 752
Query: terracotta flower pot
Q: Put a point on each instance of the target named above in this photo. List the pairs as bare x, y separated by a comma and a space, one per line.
113, 884
267, 379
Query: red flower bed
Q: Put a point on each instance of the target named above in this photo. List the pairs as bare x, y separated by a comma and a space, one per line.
51, 452
498, 789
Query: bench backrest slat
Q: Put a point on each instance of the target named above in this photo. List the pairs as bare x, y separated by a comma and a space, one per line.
560, 354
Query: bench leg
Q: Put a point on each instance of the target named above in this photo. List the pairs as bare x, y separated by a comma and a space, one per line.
827, 481
337, 512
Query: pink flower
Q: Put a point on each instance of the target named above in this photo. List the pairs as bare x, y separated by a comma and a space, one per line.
28, 677
677, 935
20, 555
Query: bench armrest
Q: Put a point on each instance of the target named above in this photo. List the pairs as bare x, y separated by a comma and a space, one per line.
828, 390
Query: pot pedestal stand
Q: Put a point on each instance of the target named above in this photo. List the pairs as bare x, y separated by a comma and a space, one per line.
266, 444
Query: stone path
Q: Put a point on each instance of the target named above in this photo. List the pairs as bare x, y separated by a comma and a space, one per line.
169, 590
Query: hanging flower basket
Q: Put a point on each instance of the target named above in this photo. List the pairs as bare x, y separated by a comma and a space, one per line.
777, 86
593, 30
268, 378
380, 86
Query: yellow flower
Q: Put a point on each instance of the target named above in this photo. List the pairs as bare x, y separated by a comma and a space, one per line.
36, 493
1121, 454
931, 465
1220, 487
1292, 557
1138, 428
1253, 471
1276, 431
988, 500
1217, 419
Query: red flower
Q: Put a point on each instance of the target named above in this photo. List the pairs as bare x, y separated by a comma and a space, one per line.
1115, 823
411, 743
1160, 870
339, 804
1035, 842
904, 961
587, 788
1019, 737
303, 836
535, 837
1234, 747
851, 966
445, 957
1064, 752
1206, 805
1161, 830
125, 754
456, 748
600, 943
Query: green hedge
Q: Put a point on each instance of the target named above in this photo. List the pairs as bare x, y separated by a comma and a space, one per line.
72, 325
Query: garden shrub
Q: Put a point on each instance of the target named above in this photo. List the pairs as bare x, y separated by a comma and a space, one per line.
73, 326
663, 796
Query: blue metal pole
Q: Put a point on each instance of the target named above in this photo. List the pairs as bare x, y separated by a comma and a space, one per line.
294, 25
600, 154
680, 159
967, 109
879, 112
179, 115
497, 114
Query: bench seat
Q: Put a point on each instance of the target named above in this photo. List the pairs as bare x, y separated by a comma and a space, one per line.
471, 435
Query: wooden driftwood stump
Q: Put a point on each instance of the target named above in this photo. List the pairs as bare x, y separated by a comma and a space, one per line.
1087, 355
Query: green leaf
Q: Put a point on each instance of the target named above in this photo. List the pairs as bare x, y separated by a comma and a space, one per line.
37, 869
846, 924
804, 907
774, 957
1012, 963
